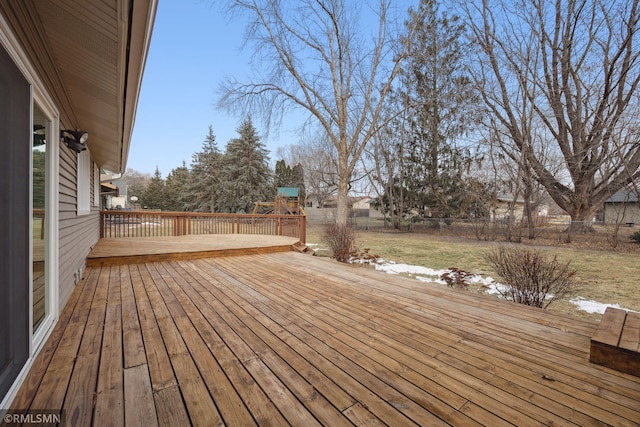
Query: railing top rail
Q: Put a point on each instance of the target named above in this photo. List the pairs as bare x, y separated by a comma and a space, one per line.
191, 214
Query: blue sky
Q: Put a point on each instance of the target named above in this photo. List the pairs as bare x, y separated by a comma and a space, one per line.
192, 48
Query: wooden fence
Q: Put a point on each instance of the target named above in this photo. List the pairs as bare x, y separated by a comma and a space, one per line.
116, 224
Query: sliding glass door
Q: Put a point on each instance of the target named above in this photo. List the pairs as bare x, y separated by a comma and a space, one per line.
15, 141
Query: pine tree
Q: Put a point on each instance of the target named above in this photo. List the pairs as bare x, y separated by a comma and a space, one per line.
245, 177
205, 170
154, 194
177, 186
438, 93
297, 180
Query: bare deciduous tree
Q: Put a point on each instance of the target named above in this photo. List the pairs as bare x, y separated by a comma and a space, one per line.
568, 69
315, 56
317, 157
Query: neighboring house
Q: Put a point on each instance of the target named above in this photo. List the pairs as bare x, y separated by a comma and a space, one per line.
622, 208
64, 65
326, 208
505, 207
113, 194
554, 214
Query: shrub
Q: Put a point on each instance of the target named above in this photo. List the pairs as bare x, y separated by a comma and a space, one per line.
531, 278
341, 239
636, 237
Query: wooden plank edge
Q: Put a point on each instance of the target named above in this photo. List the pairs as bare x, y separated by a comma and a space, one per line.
616, 358
140, 259
630, 338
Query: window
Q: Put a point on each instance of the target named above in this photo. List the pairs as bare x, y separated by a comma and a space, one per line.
84, 181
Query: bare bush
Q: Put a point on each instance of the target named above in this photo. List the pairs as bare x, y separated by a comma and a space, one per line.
530, 277
341, 238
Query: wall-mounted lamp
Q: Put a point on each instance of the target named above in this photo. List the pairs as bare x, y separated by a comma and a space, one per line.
75, 139
39, 133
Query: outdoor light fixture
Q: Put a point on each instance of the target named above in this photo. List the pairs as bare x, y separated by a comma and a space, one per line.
39, 133
75, 139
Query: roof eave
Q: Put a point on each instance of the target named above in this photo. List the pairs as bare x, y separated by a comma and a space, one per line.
142, 16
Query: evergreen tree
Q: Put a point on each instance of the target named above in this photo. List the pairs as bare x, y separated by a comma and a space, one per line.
297, 180
245, 176
438, 94
283, 174
39, 161
205, 170
286, 176
154, 194
177, 189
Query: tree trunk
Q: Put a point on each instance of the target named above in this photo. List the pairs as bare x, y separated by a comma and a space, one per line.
582, 220
528, 209
342, 212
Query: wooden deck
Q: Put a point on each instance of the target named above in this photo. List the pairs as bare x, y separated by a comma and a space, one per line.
285, 338
151, 249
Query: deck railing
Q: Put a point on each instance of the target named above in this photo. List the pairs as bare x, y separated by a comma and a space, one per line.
116, 224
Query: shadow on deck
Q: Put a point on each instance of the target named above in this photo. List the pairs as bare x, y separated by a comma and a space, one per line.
283, 338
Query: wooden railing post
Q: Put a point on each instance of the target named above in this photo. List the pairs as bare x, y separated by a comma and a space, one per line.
303, 229
102, 221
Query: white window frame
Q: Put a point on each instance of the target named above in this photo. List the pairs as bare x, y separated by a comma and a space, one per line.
51, 208
83, 184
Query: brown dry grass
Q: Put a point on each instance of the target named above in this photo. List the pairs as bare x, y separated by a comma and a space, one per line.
606, 275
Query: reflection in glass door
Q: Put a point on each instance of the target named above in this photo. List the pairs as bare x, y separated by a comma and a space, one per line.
41, 127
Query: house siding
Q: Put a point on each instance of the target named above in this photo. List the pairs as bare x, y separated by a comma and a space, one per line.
73, 93
77, 234
622, 213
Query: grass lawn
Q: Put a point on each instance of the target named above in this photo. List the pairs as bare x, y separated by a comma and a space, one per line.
605, 276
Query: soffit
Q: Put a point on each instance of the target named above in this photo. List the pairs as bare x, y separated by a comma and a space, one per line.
90, 55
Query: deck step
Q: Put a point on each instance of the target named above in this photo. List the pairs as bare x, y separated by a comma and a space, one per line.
302, 248
616, 342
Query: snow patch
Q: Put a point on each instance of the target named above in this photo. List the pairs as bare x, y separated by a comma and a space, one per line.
430, 275
426, 274
316, 247
591, 306
416, 270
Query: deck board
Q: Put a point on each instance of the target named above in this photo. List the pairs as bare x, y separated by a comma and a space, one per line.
385, 363
284, 338
110, 390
